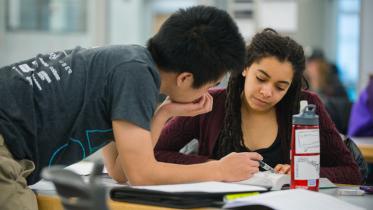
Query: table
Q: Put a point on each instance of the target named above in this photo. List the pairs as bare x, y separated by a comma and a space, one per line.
365, 201
48, 200
365, 144
52, 202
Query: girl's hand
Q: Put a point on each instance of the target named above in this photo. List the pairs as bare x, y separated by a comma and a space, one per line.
239, 166
282, 169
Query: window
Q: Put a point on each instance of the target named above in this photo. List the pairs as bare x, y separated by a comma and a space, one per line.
46, 15
348, 44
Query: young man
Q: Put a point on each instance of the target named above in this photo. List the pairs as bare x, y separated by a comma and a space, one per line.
61, 107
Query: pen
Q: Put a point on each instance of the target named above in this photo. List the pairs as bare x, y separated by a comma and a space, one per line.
266, 167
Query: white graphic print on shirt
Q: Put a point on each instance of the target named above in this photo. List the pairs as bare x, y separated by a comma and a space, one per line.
33, 72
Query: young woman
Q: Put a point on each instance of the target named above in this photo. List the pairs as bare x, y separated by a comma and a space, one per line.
324, 81
254, 114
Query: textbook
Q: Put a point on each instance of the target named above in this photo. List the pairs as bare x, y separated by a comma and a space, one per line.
275, 181
269, 180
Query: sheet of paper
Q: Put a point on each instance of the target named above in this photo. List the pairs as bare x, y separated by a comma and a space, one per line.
46, 186
43, 186
307, 167
308, 141
108, 182
210, 187
325, 183
294, 199
83, 168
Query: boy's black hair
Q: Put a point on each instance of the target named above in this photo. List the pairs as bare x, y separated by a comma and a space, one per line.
267, 43
201, 40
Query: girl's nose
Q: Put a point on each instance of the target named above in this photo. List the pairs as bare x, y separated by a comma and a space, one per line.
266, 91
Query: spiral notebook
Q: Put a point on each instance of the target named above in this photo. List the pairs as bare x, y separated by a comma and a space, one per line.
192, 195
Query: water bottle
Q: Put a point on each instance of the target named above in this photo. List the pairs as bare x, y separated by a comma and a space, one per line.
305, 149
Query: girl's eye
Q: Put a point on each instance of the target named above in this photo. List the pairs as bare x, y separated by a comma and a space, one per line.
259, 79
280, 89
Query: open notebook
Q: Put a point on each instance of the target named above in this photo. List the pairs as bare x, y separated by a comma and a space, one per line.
274, 181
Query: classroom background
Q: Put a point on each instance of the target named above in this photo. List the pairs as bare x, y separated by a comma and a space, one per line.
336, 34
339, 28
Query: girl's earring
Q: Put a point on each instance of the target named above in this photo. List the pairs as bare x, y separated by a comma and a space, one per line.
244, 73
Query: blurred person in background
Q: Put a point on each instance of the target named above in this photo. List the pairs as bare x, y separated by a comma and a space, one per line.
361, 119
323, 78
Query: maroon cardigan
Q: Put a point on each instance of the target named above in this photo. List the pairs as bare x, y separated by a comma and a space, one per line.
337, 163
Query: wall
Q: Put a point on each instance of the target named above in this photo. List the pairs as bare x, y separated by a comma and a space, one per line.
330, 29
19, 45
366, 42
317, 22
126, 25
130, 22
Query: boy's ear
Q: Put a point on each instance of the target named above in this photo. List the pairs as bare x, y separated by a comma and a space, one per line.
184, 79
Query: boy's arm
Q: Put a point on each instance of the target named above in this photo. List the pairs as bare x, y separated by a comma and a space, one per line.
165, 111
177, 133
111, 159
158, 121
136, 158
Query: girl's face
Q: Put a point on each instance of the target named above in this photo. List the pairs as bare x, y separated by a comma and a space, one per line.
266, 83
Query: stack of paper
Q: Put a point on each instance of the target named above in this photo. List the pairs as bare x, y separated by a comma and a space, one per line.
208, 187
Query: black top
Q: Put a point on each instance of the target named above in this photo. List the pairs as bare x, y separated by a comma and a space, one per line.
57, 108
272, 154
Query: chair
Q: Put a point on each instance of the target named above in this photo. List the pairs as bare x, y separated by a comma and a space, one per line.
357, 155
74, 192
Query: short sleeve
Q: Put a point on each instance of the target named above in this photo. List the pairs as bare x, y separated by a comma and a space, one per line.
134, 93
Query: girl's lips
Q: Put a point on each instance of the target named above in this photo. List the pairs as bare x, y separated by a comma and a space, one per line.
261, 101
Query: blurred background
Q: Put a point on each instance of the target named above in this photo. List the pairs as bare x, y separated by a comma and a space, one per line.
336, 34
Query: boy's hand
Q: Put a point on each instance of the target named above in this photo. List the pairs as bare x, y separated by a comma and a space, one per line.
239, 166
170, 109
200, 106
282, 169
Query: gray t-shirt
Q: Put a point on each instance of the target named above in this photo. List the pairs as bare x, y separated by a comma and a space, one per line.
57, 108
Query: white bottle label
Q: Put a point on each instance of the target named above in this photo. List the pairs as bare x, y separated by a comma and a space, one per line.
307, 141
306, 167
